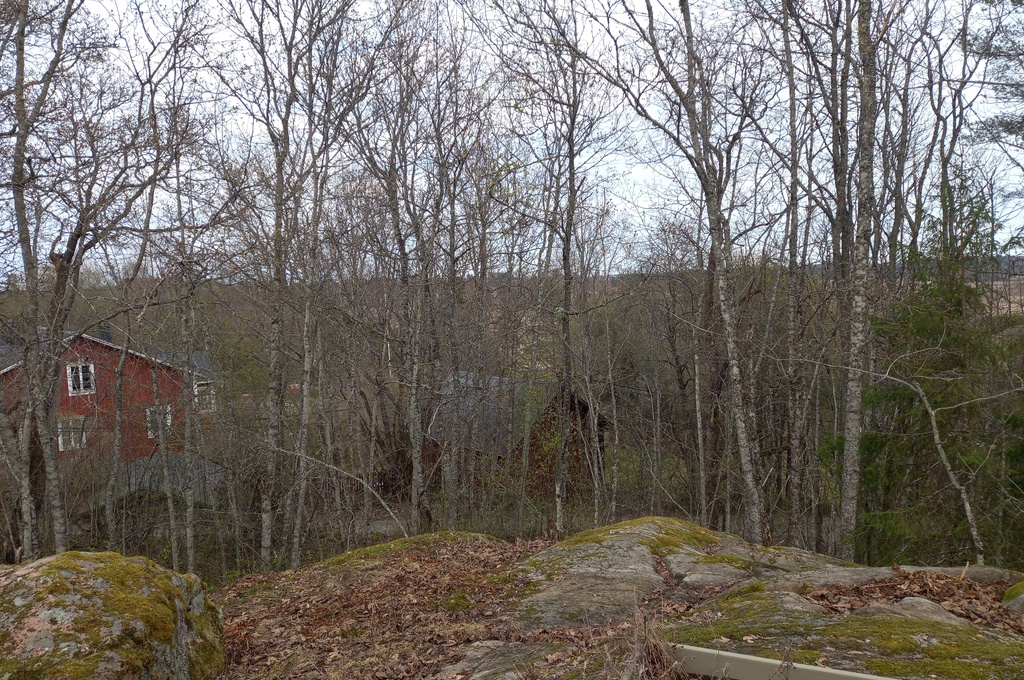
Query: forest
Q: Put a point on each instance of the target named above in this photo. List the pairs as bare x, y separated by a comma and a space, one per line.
521, 267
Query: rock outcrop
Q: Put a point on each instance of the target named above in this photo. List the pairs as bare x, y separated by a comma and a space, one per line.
102, 615
1014, 598
775, 602
626, 600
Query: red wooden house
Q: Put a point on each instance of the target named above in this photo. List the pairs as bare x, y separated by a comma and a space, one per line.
153, 394
584, 455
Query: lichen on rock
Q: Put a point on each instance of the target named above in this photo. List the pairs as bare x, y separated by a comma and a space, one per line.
103, 615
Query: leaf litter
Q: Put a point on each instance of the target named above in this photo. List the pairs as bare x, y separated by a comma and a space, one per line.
981, 603
405, 615
410, 614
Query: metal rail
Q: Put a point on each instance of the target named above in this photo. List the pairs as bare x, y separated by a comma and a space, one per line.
717, 664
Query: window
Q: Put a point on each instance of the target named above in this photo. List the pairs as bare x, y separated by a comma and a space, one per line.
206, 397
157, 418
71, 433
81, 379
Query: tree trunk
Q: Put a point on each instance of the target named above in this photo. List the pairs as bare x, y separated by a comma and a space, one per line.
304, 417
754, 517
157, 420
118, 453
965, 500
858, 302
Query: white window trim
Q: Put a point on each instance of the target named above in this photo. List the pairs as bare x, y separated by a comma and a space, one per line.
150, 413
71, 425
77, 368
208, 394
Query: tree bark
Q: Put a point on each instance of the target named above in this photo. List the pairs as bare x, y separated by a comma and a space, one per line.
303, 444
858, 337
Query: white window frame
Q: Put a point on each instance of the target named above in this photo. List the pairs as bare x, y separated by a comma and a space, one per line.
71, 433
75, 374
152, 414
205, 395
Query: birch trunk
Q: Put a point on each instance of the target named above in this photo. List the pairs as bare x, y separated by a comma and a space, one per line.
858, 299
754, 525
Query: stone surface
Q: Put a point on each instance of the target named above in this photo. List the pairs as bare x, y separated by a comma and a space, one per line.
589, 583
913, 608
498, 660
102, 615
747, 599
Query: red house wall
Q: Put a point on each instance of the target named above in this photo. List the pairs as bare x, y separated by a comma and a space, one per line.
140, 393
147, 382
543, 441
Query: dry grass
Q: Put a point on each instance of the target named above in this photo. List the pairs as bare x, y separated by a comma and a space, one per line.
655, 659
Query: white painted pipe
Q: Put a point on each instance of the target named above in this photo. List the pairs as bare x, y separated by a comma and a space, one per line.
717, 664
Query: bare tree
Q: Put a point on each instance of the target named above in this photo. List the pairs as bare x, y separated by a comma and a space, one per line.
301, 68
701, 94
564, 117
87, 150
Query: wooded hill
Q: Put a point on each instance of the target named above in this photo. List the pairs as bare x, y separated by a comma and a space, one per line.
520, 269
644, 365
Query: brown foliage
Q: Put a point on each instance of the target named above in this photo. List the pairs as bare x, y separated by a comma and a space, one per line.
979, 603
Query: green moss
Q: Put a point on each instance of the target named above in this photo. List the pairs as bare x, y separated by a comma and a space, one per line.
897, 634
805, 656
889, 646
902, 647
79, 669
731, 560
458, 601
499, 579
741, 592
958, 669
598, 535
350, 632
672, 535
741, 613
109, 596
675, 536
415, 544
208, 659
1013, 592
129, 581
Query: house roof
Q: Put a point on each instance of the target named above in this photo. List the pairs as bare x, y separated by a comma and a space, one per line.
474, 412
198, 362
11, 356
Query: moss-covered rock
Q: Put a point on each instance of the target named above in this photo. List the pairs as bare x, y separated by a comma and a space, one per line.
103, 615
1014, 597
601, 575
751, 599
413, 544
913, 638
